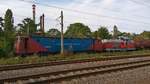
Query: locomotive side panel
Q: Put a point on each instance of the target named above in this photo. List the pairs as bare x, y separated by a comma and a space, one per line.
70, 44
97, 46
26, 45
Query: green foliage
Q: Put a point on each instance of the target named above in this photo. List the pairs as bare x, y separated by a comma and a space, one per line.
1, 30
53, 33
1, 27
27, 26
2, 52
127, 34
79, 56
8, 24
145, 34
78, 30
142, 36
9, 33
103, 33
95, 34
1, 42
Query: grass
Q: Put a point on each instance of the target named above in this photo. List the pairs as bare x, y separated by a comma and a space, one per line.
57, 57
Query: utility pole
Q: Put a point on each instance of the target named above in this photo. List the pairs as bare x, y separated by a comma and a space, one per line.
43, 27
41, 23
115, 32
62, 35
28, 30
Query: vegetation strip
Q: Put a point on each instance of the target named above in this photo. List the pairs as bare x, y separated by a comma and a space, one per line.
79, 56
54, 63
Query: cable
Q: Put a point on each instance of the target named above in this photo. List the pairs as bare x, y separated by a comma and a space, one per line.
52, 19
87, 13
115, 11
140, 3
94, 14
68, 21
80, 11
97, 19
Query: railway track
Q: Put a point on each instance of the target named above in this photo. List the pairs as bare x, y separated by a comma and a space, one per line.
59, 76
67, 75
55, 63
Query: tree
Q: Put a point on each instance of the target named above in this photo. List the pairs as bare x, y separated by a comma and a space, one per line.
9, 32
103, 33
95, 34
138, 38
1, 36
1, 27
127, 34
53, 33
27, 26
8, 24
145, 34
142, 36
78, 30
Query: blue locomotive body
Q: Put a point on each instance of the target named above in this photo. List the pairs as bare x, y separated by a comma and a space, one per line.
70, 44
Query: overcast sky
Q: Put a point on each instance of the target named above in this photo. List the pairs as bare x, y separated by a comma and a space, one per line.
128, 15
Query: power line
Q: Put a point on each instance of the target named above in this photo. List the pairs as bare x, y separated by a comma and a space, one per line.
110, 10
68, 21
93, 5
100, 20
85, 18
89, 24
87, 13
55, 20
105, 24
140, 3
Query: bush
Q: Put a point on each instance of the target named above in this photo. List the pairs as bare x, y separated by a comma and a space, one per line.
2, 53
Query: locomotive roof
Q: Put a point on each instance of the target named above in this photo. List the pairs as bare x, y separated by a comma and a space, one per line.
112, 40
36, 36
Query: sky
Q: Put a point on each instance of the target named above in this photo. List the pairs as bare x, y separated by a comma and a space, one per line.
129, 15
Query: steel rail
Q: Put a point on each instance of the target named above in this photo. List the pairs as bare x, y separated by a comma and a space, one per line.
55, 63
104, 71
57, 73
